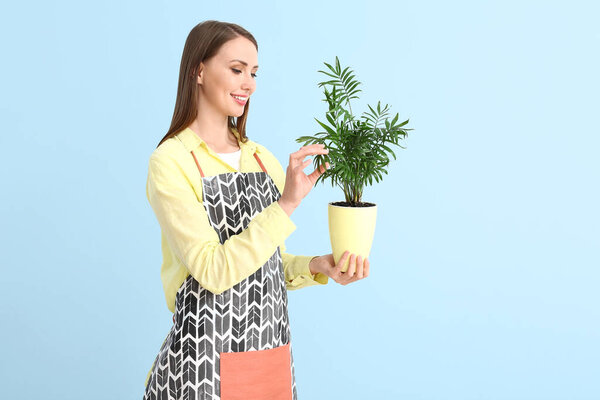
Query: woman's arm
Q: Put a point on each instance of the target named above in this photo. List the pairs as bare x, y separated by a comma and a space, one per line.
296, 269
185, 224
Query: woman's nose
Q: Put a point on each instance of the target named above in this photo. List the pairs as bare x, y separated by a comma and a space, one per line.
249, 83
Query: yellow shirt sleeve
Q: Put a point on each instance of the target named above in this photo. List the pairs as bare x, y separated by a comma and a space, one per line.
187, 229
295, 267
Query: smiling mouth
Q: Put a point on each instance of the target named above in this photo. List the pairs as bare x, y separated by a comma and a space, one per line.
239, 100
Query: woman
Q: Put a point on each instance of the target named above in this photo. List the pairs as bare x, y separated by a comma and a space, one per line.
223, 203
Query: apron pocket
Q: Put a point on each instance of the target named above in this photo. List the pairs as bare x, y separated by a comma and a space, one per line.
260, 374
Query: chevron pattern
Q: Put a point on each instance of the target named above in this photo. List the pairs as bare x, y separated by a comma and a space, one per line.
250, 316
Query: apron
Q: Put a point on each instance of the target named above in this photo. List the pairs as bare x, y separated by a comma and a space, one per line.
234, 345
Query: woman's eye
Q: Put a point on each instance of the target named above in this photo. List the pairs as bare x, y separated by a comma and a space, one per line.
237, 71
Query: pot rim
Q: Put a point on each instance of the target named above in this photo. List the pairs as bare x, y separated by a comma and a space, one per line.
330, 204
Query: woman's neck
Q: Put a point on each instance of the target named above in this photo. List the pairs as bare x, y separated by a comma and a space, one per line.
220, 143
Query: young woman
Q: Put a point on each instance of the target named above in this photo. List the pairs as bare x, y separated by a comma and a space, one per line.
223, 203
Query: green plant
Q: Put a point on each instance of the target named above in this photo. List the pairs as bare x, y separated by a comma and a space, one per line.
358, 147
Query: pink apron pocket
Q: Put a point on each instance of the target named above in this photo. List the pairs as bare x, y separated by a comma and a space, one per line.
261, 374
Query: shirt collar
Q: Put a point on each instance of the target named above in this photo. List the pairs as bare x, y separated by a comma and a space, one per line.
192, 141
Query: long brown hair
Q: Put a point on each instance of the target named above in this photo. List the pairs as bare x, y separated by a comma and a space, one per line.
202, 43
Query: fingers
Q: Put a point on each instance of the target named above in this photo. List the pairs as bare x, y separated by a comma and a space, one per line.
351, 267
317, 172
305, 164
360, 267
348, 276
297, 157
357, 269
337, 271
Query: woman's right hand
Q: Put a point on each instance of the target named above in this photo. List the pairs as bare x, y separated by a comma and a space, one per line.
297, 183
357, 267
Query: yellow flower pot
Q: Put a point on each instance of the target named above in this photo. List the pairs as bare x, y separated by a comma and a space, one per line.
352, 229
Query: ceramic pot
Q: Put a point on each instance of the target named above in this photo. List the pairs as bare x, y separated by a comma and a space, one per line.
352, 229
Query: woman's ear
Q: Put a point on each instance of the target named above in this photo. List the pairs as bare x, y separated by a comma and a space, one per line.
199, 76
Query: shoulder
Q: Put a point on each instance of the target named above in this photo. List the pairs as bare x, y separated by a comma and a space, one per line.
171, 150
171, 170
169, 158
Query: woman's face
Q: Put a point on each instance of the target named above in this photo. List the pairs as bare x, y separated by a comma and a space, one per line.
230, 72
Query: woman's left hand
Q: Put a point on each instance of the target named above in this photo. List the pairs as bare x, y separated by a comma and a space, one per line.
357, 268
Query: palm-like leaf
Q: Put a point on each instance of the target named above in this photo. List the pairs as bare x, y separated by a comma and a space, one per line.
358, 150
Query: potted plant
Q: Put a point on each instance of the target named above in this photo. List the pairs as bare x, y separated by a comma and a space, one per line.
358, 154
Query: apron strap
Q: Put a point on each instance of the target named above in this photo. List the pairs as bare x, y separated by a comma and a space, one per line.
260, 163
255, 156
199, 169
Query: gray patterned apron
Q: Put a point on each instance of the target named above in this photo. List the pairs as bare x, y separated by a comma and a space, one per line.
249, 319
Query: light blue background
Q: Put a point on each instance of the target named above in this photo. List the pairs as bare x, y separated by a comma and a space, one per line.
484, 267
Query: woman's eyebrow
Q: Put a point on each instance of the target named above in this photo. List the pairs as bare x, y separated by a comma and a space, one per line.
243, 62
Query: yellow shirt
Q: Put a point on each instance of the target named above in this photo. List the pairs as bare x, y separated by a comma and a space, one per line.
190, 245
